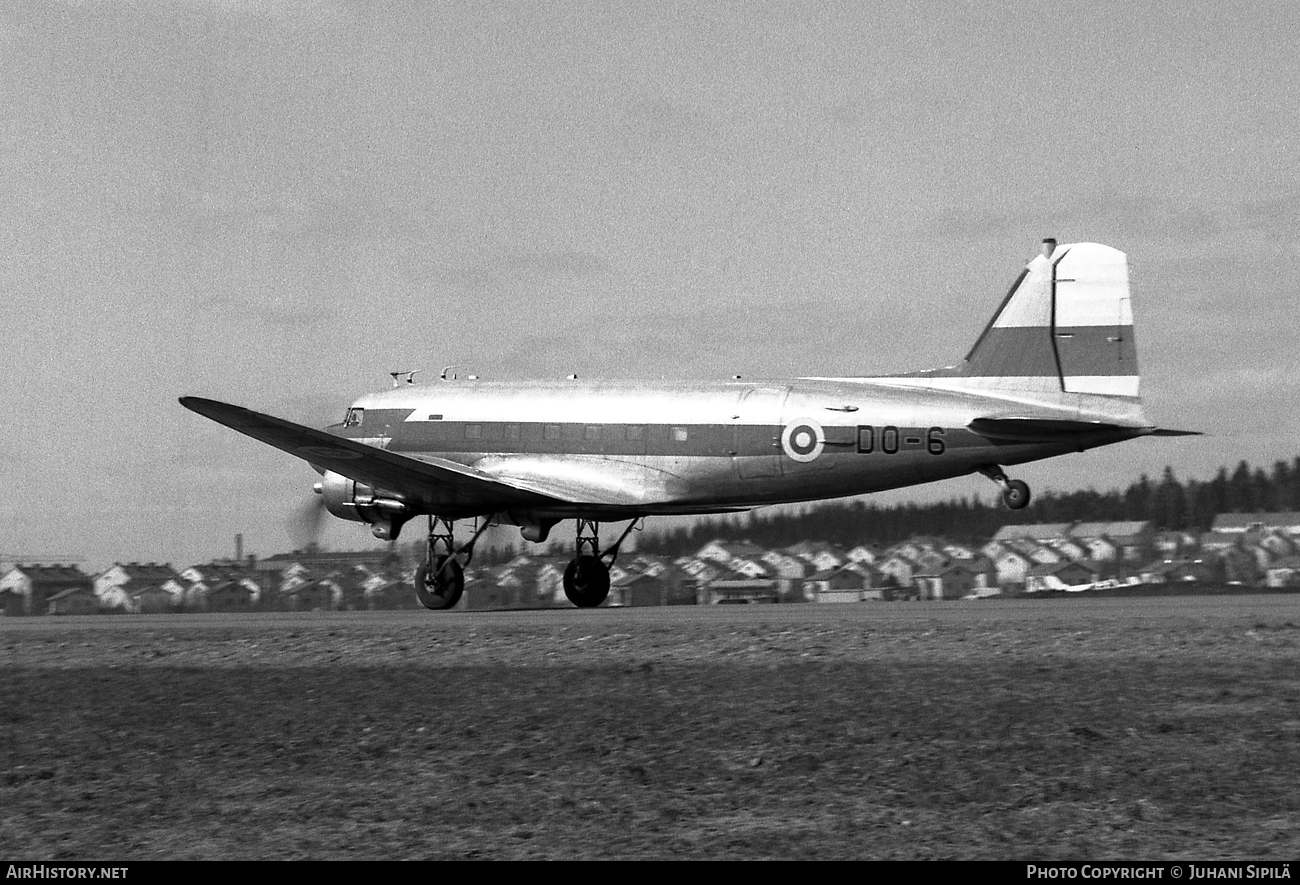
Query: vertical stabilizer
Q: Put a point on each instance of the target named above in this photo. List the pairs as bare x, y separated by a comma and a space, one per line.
1066, 326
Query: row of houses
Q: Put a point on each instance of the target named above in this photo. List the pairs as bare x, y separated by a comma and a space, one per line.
329, 582
1247, 549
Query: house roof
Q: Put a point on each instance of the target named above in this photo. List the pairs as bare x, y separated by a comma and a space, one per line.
51, 574
1034, 532
1118, 529
147, 572
214, 573
745, 548
858, 569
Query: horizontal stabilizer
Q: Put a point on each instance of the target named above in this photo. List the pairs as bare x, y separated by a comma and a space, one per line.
1046, 429
1164, 431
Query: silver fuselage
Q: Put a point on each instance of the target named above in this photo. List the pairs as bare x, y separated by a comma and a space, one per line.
649, 448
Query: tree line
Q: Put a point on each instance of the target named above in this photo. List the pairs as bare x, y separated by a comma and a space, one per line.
1169, 503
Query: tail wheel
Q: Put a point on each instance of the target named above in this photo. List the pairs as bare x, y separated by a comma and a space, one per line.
586, 582
437, 587
1016, 494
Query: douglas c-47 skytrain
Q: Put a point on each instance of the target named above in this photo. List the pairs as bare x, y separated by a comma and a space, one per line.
1055, 371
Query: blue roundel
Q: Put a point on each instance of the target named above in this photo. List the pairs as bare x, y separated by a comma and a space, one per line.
803, 439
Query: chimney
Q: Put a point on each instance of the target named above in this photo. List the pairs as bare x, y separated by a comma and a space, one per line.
1049, 246
239, 548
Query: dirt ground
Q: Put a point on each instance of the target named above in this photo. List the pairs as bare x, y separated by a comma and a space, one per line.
1064, 729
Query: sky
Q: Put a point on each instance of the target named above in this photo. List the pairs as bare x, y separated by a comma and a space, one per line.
275, 204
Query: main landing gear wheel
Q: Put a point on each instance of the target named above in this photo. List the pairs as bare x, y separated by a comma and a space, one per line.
586, 581
438, 587
1016, 494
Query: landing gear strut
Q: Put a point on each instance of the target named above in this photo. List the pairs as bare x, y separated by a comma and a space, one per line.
440, 579
586, 580
1014, 492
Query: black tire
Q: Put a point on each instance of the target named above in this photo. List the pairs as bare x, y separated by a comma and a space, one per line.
439, 588
1016, 495
586, 582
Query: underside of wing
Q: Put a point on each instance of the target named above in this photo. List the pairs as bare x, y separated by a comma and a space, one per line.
443, 486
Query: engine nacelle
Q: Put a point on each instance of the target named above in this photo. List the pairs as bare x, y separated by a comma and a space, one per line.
349, 499
531, 527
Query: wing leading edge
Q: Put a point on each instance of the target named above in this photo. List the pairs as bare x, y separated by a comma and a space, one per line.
437, 482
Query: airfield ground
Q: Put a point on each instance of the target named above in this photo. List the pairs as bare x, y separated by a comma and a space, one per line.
1070, 728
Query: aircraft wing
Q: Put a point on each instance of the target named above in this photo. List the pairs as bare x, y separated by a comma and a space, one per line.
441, 484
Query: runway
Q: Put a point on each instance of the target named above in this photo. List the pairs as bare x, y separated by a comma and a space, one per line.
1223, 609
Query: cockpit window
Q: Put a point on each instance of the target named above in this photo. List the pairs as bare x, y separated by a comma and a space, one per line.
354, 417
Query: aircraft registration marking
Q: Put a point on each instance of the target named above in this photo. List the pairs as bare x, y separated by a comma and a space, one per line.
886, 439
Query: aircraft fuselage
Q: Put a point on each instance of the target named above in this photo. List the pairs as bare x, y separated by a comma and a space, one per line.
700, 448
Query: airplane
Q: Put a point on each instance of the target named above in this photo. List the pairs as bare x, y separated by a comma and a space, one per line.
1054, 371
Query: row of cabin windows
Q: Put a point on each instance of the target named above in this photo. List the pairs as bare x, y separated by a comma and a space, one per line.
592, 432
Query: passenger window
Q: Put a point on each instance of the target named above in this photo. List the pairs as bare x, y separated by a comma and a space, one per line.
512, 431
679, 434
552, 431
473, 431
593, 431
635, 432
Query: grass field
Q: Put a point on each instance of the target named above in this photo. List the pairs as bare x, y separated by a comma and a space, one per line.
1080, 729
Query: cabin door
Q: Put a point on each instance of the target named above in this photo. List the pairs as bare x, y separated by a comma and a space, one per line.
756, 441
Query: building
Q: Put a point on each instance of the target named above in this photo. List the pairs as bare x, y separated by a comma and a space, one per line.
953, 579
28, 589
849, 583
737, 587
667, 587
127, 586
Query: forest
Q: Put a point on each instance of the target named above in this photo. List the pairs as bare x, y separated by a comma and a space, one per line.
1170, 503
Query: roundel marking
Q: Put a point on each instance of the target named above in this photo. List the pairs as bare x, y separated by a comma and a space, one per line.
803, 439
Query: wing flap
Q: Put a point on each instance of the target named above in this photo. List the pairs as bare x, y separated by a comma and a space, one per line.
441, 484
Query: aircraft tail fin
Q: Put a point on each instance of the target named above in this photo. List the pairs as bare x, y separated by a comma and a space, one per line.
1066, 326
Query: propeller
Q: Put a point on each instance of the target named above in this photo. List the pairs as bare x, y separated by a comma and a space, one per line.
307, 522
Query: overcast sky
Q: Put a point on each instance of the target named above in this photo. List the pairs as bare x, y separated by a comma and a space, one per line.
275, 204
